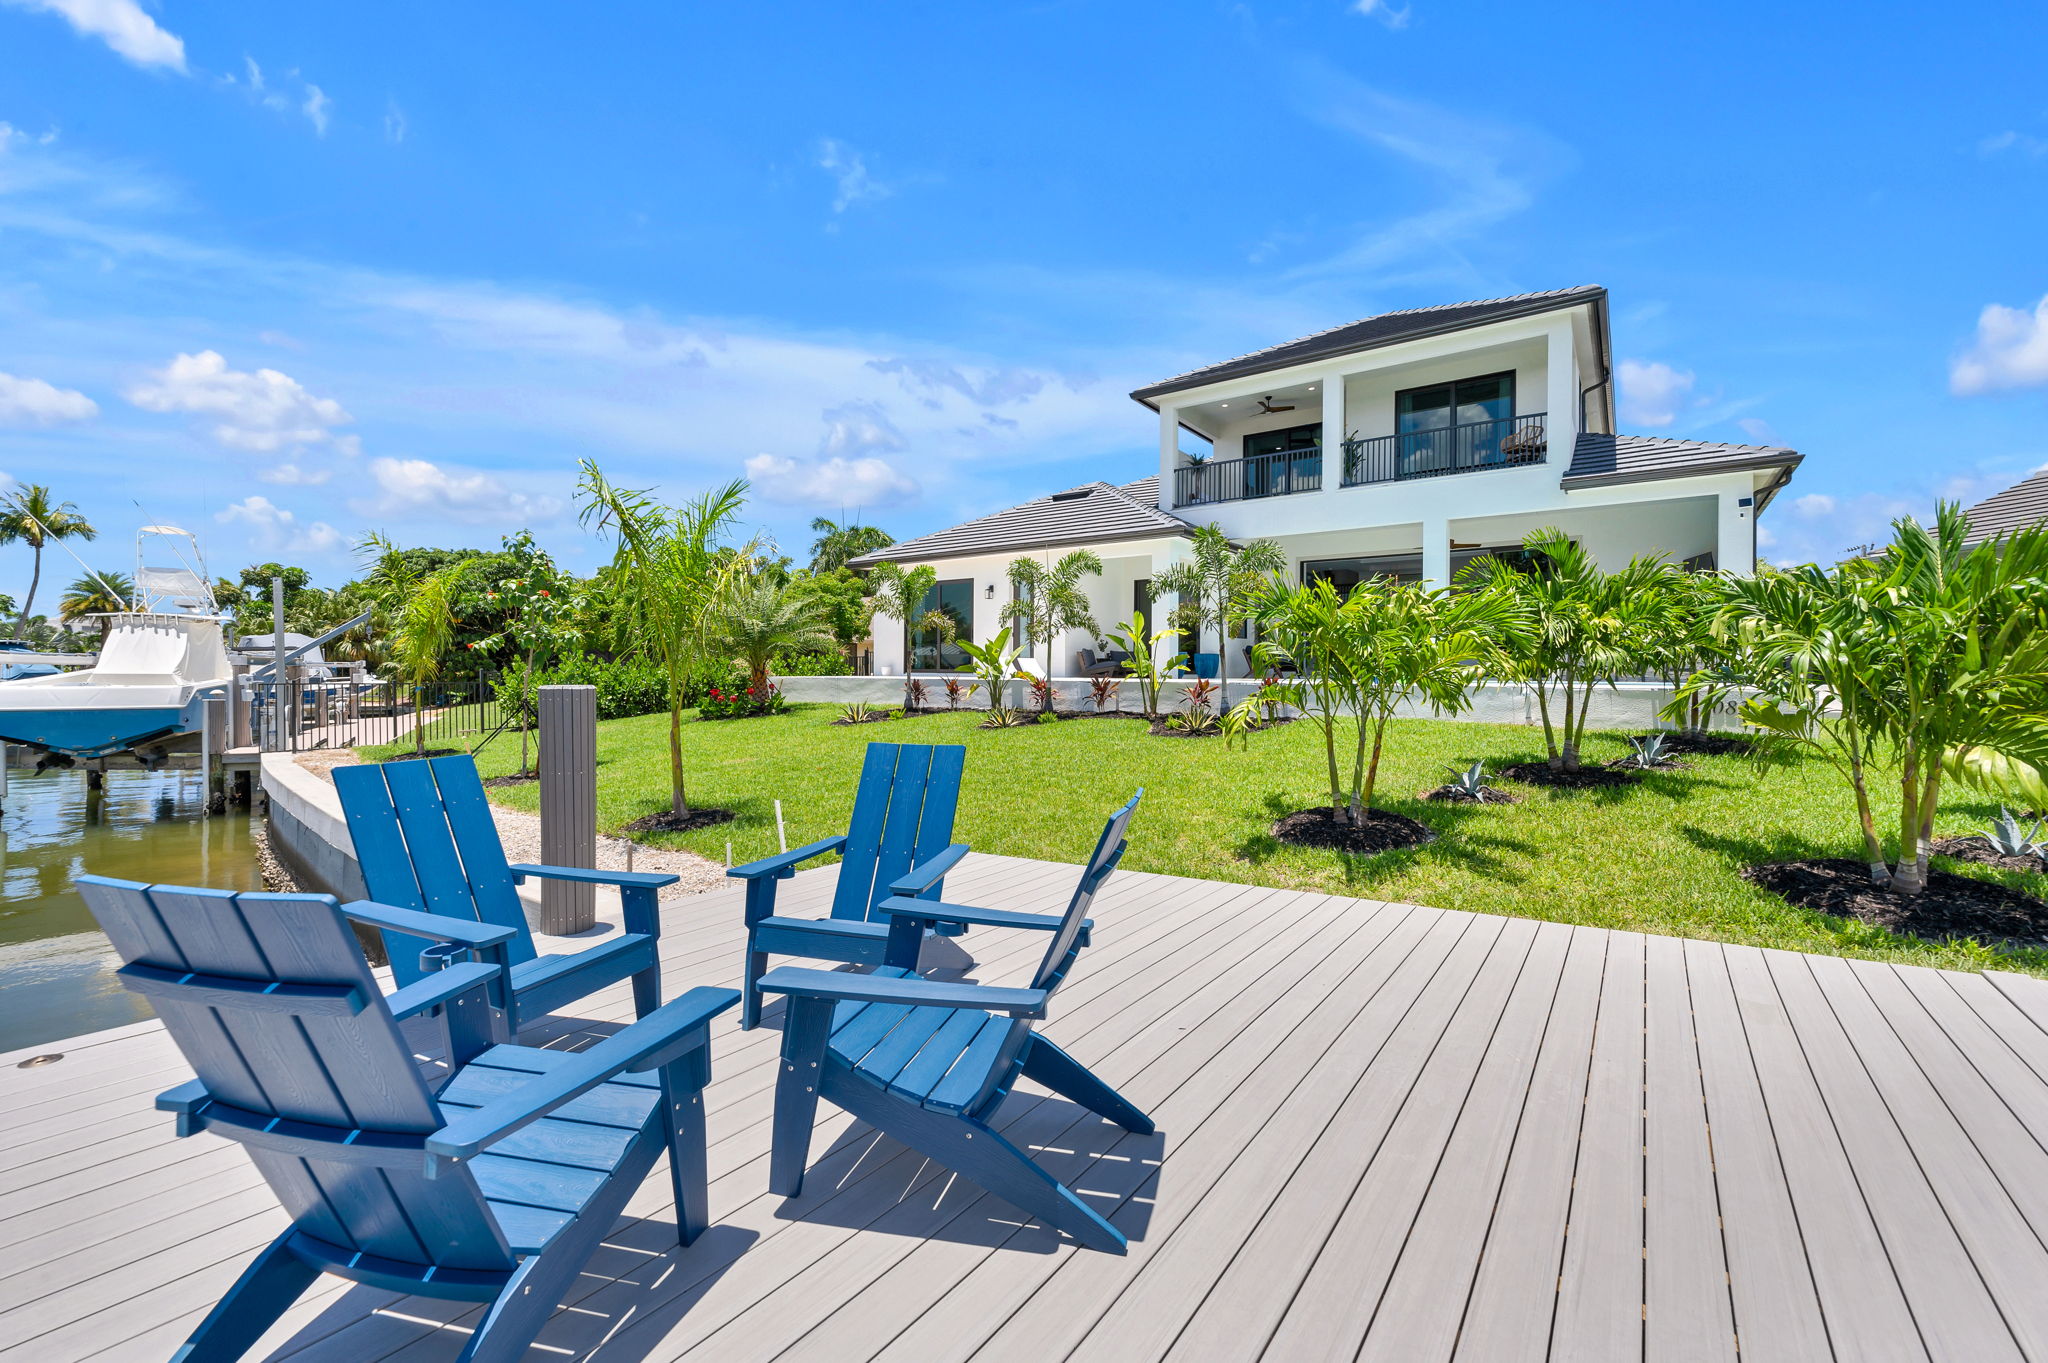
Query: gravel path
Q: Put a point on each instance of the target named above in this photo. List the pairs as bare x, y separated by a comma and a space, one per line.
520, 832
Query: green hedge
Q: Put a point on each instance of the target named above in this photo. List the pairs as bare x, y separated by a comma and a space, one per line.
828, 664
625, 687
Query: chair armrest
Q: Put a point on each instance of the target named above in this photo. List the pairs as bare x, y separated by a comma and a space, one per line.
845, 985
655, 1040
782, 863
432, 926
928, 873
439, 988
187, 1100
939, 911
584, 875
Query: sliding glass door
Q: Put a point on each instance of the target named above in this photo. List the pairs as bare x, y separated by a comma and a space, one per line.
1460, 425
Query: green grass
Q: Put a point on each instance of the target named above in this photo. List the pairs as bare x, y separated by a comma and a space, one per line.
1658, 857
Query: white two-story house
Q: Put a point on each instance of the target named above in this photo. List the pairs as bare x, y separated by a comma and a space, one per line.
1404, 444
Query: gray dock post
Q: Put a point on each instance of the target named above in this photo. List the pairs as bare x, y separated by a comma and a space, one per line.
213, 769
568, 803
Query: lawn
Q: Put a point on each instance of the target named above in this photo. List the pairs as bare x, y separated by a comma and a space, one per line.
1658, 857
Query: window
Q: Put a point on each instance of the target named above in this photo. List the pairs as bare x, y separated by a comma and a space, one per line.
1457, 425
1284, 460
930, 649
1346, 573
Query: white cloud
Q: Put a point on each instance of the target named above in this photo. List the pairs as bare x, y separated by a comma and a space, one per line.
32, 402
394, 122
1757, 429
121, 25
316, 108
420, 487
1814, 504
1652, 393
1393, 16
865, 481
273, 527
2012, 140
263, 412
11, 136
2010, 350
849, 171
292, 475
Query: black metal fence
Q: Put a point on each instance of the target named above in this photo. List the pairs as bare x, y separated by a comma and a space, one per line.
1506, 443
1259, 475
346, 712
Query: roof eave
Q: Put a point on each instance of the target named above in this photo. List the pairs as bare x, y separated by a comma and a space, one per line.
982, 551
1784, 459
1143, 396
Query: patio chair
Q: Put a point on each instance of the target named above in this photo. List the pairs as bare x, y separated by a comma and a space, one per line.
425, 839
476, 1193
1108, 665
902, 819
928, 1062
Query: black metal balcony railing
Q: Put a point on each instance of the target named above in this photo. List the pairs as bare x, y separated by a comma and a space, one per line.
1504, 443
1260, 475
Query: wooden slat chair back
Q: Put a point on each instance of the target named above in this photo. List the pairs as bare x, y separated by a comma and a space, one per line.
300, 1059
929, 1062
903, 810
426, 841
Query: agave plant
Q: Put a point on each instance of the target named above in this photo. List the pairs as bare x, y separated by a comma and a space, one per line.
1195, 720
2008, 839
860, 712
1468, 784
1003, 717
1651, 750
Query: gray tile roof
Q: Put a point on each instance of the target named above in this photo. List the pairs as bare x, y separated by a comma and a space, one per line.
2023, 504
1387, 328
1087, 514
1601, 460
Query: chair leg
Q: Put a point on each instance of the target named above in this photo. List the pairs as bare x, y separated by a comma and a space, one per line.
265, 1291
1047, 1064
682, 1092
806, 1025
646, 991
979, 1152
750, 992
510, 1323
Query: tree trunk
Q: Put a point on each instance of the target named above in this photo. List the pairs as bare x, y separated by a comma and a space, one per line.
1330, 754
28, 604
1873, 848
676, 804
419, 713
1567, 757
1549, 731
1911, 875
1372, 774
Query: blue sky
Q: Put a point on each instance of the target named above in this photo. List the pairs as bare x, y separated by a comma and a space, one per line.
285, 274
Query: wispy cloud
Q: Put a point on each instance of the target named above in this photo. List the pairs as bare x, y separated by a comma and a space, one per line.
2014, 142
2010, 350
37, 402
121, 24
421, 488
317, 107
394, 122
1652, 393
849, 171
1392, 15
273, 527
308, 99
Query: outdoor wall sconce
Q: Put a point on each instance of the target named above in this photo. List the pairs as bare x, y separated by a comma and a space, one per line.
990, 594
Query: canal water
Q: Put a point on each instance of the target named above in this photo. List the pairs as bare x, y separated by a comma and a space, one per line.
56, 970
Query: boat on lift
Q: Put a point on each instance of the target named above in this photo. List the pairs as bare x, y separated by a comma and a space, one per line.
145, 694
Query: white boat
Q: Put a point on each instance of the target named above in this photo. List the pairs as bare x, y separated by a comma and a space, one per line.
148, 687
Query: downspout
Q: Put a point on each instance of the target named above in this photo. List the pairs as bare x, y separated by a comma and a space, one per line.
1606, 347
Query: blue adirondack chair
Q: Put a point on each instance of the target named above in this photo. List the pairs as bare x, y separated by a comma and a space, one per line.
929, 1062
425, 840
902, 818
494, 1190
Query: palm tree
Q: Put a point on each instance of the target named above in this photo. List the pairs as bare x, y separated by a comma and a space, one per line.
101, 594
763, 618
837, 543
1211, 583
1048, 600
27, 515
901, 594
673, 576
420, 639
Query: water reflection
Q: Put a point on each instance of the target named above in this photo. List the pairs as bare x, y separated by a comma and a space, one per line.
56, 970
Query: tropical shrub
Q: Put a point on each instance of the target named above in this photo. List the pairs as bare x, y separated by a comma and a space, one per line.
995, 663
1102, 690
1047, 600
811, 663
914, 695
744, 703
1041, 694
957, 691
1143, 661
761, 618
861, 712
1212, 583
625, 686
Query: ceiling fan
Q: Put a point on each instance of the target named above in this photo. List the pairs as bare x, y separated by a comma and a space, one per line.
1267, 406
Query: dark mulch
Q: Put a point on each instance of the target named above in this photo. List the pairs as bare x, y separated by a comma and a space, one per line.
1978, 848
884, 716
669, 822
1951, 906
1382, 831
1585, 778
1710, 744
1161, 729
431, 752
1630, 764
1455, 795
497, 782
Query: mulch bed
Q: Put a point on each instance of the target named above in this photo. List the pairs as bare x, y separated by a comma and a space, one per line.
431, 752
1951, 906
1710, 744
1978, 848
1455, 795
844, 723
1585, 778
495, 782
669, 822
1324, 827
1630, 764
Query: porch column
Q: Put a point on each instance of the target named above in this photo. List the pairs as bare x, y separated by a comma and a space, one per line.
887, 633
1561, 395
1334, 430
1169, 452
1436, 552
1735, 544
1176, 550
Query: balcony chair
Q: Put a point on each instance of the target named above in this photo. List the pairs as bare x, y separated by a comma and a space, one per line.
902, 819
425, 839
477, 1193
929, 1062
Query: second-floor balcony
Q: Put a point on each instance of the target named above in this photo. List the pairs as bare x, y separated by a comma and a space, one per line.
1472, 446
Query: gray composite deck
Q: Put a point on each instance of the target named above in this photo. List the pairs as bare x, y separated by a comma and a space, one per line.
1386, 1132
